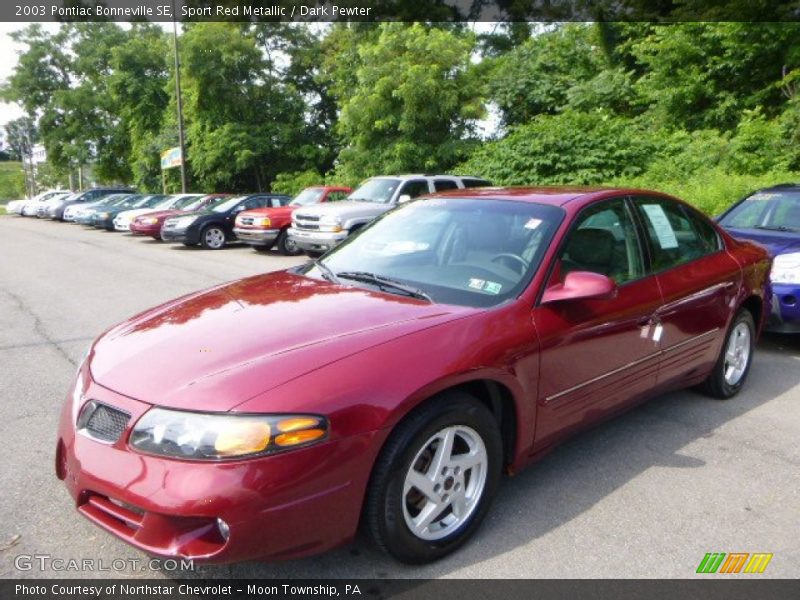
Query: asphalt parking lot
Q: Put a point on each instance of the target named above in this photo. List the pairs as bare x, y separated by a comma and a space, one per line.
646, 495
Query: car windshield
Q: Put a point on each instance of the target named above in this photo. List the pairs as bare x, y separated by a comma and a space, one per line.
148, 202
773, 210
375, 190
471, 252
307, 196
185, 202
228, 204
167, 203
204, 203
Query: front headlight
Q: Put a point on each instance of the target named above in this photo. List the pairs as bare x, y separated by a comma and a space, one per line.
147, 220
786, 268
331, 223
221, 436
103, 215
182, 222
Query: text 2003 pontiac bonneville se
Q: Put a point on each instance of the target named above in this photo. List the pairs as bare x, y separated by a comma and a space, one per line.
391, 383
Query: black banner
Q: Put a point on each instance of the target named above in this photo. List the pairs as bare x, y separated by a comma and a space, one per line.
666, 11
713, 588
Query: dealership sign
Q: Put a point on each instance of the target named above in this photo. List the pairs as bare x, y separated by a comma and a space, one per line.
171, 158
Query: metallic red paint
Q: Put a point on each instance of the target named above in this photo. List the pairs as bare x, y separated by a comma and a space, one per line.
286, 343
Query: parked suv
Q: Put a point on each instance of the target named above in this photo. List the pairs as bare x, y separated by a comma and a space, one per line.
317, 229
266, 227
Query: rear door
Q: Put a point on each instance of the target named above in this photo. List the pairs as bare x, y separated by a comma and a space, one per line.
698, 279
597, 354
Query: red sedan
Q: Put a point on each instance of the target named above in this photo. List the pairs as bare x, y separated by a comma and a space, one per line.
264, 228
150, 223
391, 383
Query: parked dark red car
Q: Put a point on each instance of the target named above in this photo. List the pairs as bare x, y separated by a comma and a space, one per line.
264, 228
150, 223
392, 382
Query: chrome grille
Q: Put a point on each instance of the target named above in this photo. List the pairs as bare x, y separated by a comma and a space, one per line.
102, 422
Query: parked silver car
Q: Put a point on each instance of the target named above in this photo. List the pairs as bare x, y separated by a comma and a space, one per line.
318, 228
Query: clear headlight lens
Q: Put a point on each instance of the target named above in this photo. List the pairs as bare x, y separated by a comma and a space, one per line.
220, 436
331, 223
786, 268
147, 220
263, 222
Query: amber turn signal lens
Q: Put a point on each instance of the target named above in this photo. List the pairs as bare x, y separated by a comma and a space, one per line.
299, 437
296, 423
242, 438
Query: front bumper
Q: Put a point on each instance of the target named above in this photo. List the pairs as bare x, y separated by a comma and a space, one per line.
316, 241
122, 224
186, 236
107, 224
153, 230
288, 505
785, 314
257, 237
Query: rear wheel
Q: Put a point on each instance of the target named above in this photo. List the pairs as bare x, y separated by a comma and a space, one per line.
435, 479
733, 365
286, 245
212, 238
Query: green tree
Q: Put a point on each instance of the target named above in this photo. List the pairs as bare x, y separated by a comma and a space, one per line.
408, 102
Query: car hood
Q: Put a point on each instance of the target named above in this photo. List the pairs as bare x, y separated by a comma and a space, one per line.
132, 213
216, 349
272, 211
348, 209
163, 214
199, 213
776, 242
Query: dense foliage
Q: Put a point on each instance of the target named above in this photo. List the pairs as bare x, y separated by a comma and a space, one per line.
704, 110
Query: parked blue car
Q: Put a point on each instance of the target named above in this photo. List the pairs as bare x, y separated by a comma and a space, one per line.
771, 217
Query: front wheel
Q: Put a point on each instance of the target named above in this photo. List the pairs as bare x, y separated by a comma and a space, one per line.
435, 479
733, 365
212, 238
286, 245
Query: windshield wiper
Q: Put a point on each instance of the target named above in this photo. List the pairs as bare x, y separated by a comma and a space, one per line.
776, 228
326, 271
384, 283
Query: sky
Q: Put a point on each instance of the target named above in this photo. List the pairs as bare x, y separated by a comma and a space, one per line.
8, 50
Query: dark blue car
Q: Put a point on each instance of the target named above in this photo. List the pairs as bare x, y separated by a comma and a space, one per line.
771, 217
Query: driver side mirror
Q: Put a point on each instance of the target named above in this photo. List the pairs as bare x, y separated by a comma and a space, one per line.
403, 198
581, 285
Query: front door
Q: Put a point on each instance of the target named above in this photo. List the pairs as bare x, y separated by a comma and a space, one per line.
597, 354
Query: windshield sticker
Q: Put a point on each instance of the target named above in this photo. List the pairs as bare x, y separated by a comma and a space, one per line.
533, 223
476, 284
661, 225
492, 287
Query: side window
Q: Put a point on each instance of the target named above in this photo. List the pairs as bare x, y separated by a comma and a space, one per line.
708, 236
674, 240
472, 183
414, 188
441, 185
275, 202
604, 241
256, 202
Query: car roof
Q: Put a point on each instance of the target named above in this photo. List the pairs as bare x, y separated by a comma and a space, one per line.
554, 195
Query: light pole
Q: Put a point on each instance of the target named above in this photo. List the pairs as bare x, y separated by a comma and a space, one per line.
181, 139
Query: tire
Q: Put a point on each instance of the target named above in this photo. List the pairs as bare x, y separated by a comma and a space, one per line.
212, 237
735, 358
394, 505
286, 245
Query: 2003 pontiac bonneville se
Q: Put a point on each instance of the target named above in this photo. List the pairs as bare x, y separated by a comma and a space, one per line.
391, 383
